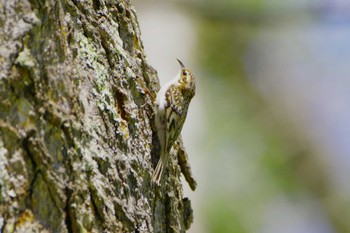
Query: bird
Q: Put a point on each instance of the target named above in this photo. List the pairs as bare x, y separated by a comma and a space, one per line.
172, 103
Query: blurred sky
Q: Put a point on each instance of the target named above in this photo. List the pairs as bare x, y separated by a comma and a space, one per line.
297, 60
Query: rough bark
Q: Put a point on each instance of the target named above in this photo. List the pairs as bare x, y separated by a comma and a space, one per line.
77, 144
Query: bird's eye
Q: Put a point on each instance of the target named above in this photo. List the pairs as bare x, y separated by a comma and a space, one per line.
184, 73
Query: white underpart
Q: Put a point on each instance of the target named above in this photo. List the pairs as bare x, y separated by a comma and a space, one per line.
161, 94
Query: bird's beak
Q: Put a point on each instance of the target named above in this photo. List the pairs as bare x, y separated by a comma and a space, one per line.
181, 64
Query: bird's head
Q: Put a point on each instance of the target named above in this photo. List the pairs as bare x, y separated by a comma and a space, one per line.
187, 80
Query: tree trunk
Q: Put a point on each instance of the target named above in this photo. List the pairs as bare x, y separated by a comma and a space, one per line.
77, 144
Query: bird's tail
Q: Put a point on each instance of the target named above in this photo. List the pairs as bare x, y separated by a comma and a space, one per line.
158, 172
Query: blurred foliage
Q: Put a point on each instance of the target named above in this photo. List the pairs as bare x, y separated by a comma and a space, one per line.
224, 218
238, 112
245, 133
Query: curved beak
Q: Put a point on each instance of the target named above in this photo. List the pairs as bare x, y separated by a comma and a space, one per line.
181, 64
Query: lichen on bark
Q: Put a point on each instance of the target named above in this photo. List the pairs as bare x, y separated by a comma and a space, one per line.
77, 145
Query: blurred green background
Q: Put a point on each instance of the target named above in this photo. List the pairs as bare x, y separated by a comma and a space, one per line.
268, 132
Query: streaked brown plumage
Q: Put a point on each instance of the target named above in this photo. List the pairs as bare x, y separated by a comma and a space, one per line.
172, 105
